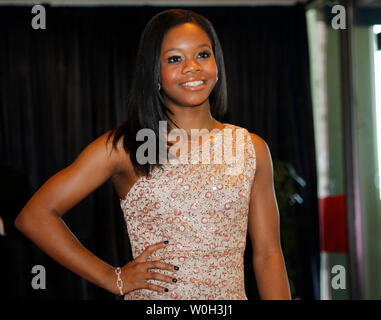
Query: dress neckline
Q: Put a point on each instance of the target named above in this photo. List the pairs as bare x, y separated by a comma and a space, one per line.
132, 189
204, 141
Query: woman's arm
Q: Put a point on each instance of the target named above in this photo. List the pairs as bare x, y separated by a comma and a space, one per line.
40, 219
263, 228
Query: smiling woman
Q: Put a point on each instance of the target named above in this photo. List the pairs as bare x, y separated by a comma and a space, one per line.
187, 224
177, 48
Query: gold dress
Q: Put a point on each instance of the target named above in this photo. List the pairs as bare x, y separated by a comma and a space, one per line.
202, 210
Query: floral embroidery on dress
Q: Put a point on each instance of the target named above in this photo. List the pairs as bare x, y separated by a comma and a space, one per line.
202, 210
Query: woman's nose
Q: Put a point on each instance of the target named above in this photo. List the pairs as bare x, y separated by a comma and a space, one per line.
191, 65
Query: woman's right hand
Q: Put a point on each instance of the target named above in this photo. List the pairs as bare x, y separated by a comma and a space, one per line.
136, 273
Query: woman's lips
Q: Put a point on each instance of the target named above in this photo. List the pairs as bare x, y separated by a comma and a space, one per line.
194, 88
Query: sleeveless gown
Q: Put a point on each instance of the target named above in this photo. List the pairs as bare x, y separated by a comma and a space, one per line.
202, 210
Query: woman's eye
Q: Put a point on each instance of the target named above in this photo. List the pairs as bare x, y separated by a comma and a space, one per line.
173, 59
205, 54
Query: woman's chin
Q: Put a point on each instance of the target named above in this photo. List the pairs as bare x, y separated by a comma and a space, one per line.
189, 103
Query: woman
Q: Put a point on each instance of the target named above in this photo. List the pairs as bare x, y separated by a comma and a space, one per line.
187, 223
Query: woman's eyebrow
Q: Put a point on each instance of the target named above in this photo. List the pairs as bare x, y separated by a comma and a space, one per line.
175, 49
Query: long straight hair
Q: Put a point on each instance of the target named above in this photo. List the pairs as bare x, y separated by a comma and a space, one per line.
146, 106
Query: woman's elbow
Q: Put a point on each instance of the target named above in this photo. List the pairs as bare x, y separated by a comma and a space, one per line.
20, 220
26, 218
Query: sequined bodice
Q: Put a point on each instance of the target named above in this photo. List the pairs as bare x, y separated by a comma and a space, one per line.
202, 210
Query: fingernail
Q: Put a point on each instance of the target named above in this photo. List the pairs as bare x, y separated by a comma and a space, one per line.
166, 242
176, 268
174, 280
166, 289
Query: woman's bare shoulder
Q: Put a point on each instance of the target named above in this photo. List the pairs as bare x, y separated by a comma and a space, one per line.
262, 151
258, 142
116, 153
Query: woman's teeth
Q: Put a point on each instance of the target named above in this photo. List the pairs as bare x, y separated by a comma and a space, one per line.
192, 84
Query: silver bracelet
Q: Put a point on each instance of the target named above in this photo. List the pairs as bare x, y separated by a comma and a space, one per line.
119, 281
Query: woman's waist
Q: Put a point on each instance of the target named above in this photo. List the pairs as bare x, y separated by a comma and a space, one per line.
199, 282
195, 253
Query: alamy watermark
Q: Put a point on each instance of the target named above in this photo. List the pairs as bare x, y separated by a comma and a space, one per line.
221, 150
39, 20
339, 280
39, 280
339, 20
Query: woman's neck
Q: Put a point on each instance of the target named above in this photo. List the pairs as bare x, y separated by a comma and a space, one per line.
193, 118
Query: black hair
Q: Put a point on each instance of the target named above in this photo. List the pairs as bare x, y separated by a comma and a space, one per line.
146, 106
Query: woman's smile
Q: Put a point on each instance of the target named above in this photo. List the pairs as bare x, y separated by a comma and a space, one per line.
194, 85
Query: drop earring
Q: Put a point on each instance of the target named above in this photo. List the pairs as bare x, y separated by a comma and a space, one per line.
158, 86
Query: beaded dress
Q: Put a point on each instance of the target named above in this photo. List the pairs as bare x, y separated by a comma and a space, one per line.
202, 210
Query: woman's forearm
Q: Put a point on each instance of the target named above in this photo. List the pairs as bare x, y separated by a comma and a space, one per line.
271, 276
49, 232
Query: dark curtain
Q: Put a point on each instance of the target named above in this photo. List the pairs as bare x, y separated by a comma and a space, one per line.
64, 86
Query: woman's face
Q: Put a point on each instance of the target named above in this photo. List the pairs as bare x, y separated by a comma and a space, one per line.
186, 57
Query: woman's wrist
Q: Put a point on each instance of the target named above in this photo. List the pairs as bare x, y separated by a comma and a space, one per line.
110, 281
119, 281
